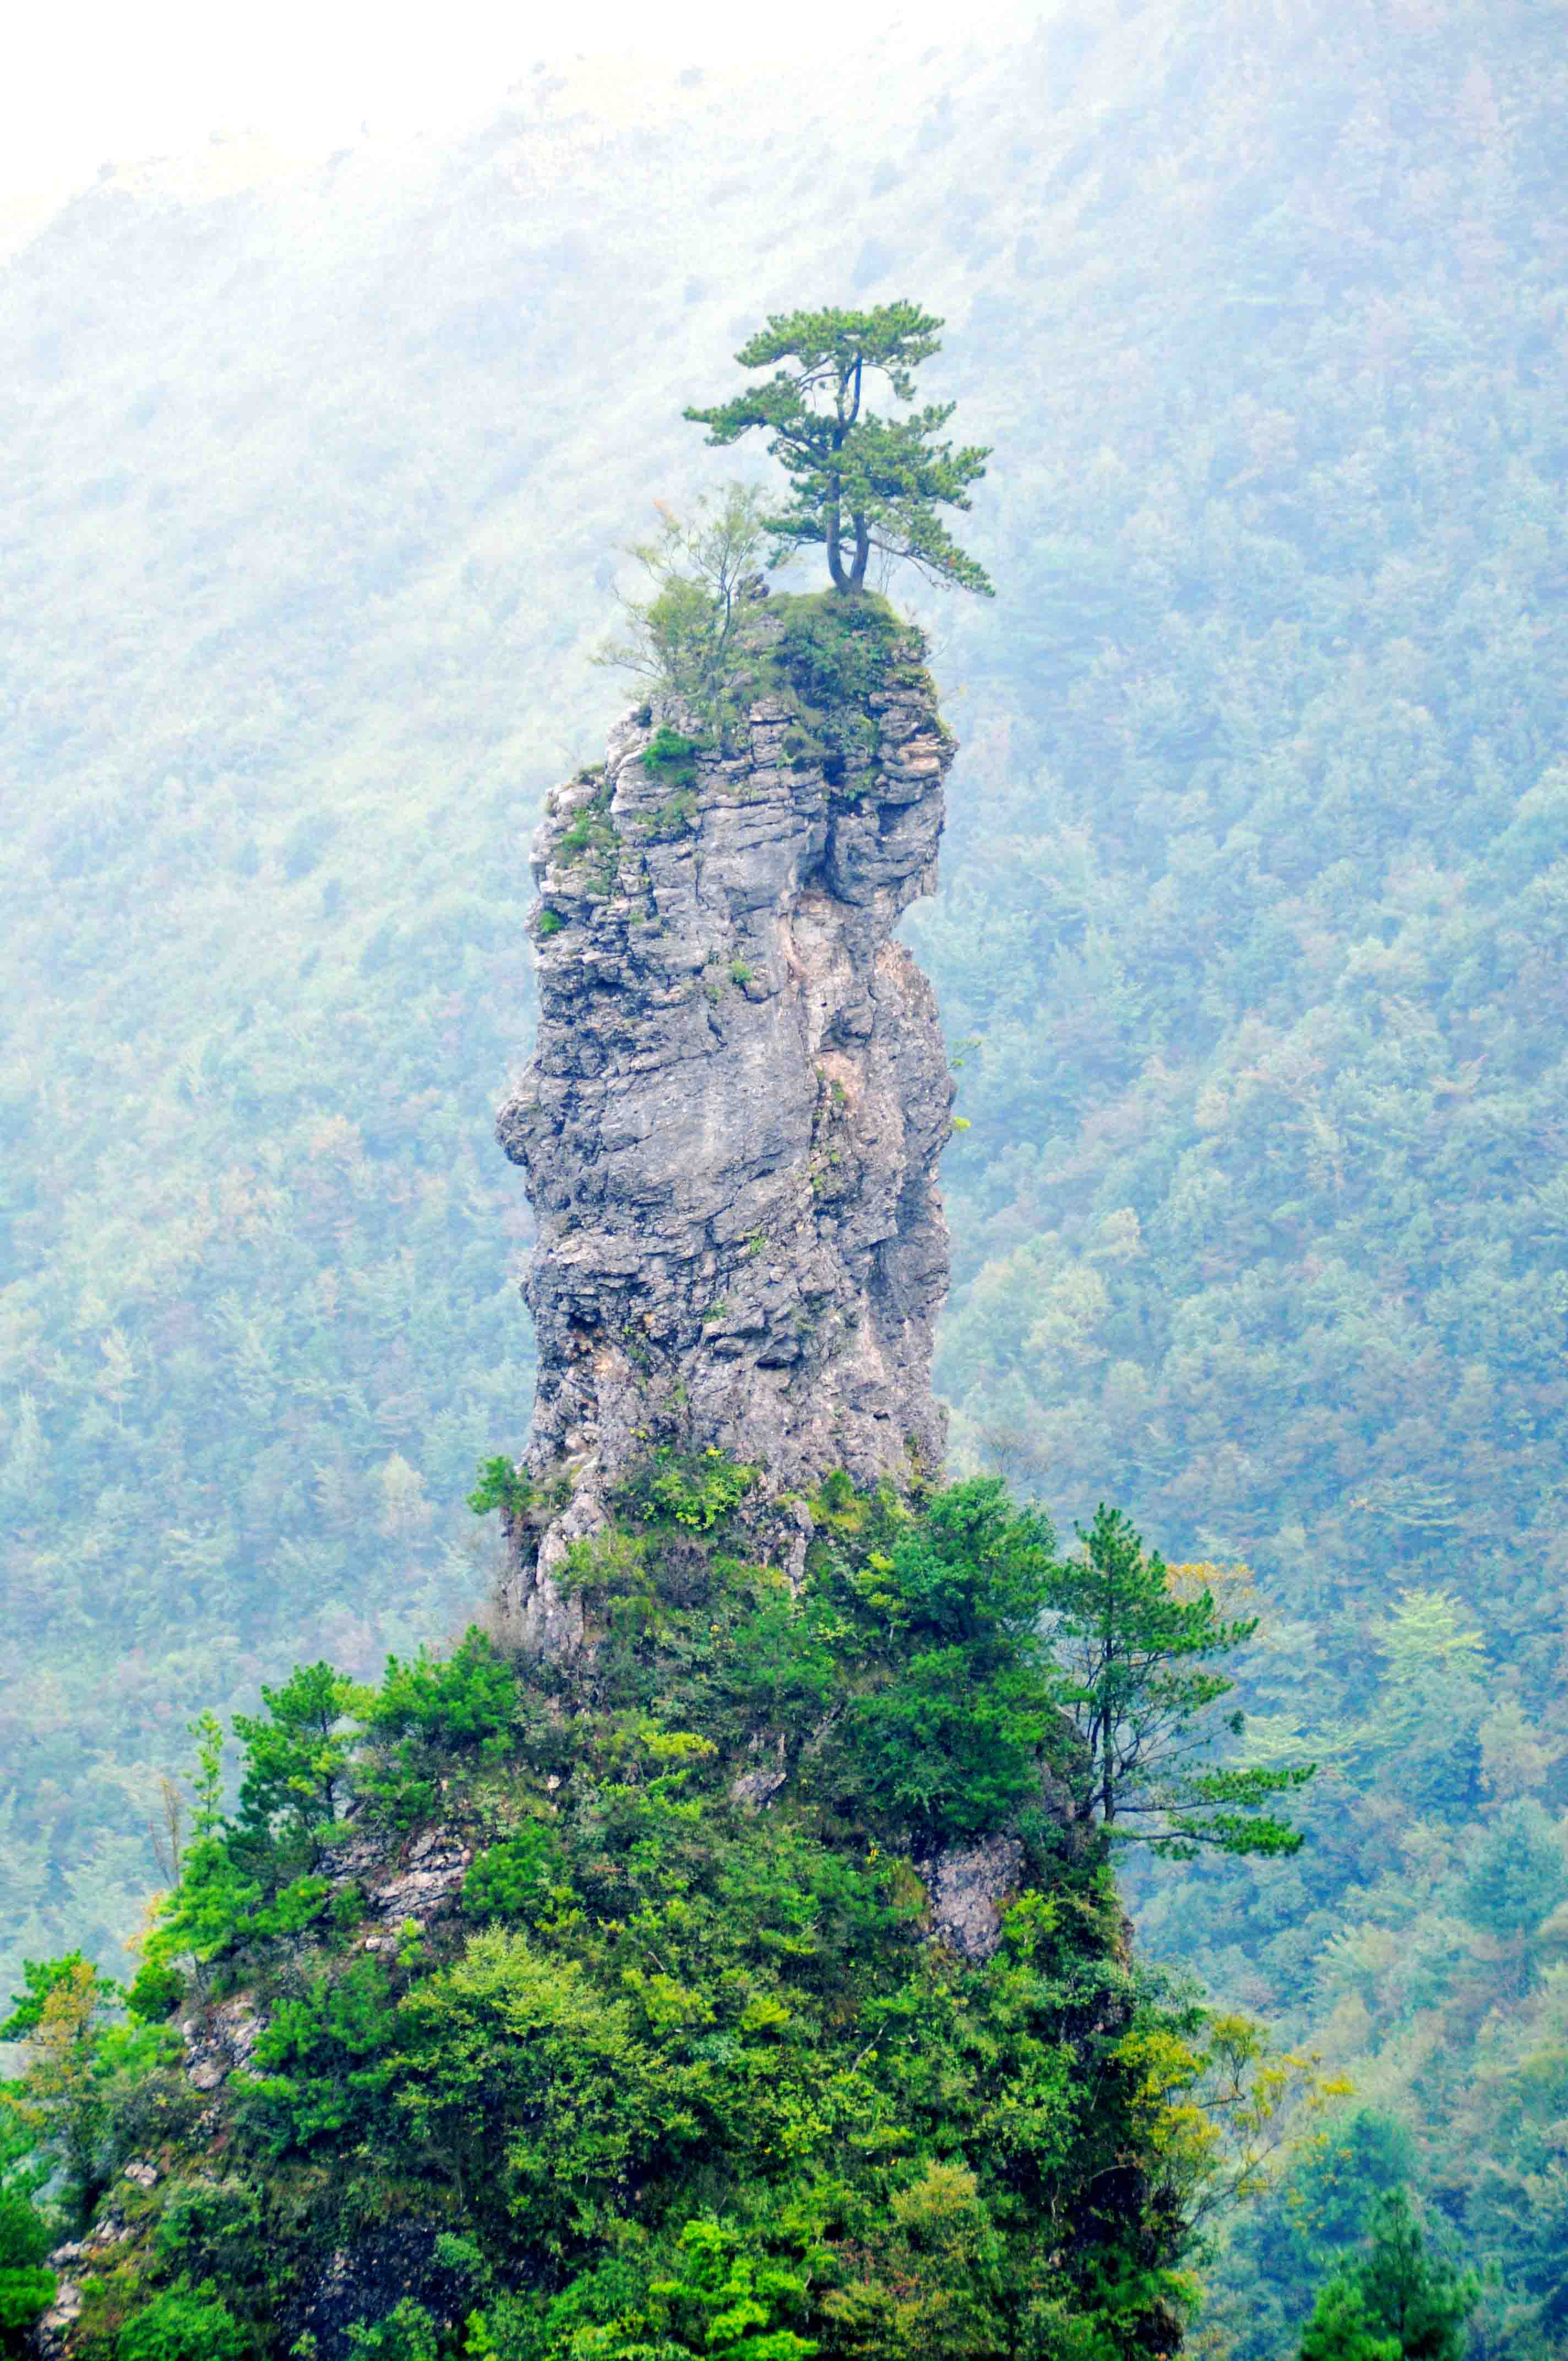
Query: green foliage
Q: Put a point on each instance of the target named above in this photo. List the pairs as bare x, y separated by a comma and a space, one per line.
65, 2098
213, 2229
1341, 2329
184, 2325
684, 637
468, 1699
833, 657
296, 1760
590, 829
1431, 1700
1518, 1870
701, 1490
501, 1484
670, 757
48, 1984
217, 1894
323, 2061
1330, 2192
529, 2088
857, 481
943, 1621
155, 1992
27, 2285
1133, 1680
688, 2076
407, 2334
936, 2283
292, 1908
729, 2301
512, 1879
1397, 2303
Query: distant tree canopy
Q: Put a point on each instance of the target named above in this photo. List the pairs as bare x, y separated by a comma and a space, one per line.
1395, 2303
858, 482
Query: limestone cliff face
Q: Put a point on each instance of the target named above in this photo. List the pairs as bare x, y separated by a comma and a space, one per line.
731, 1123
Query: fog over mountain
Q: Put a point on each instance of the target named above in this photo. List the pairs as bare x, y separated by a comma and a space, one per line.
1250, 946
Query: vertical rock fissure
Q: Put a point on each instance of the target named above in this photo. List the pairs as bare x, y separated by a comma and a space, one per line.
731, 1124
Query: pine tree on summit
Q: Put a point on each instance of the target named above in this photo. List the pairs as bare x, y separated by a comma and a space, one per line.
858, 482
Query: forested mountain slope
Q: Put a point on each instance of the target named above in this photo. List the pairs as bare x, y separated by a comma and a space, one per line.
1252, 893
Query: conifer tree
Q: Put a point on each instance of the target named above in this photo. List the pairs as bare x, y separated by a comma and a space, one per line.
1137, 1682
1397, 2303
858, 482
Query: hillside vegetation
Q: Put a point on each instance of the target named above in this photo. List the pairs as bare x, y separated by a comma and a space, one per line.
1252, 895
517, 2029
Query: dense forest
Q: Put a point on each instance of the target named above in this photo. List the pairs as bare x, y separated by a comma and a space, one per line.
515, 2027
1250, 942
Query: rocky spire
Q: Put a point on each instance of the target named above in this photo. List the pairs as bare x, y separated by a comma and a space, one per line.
731, 1122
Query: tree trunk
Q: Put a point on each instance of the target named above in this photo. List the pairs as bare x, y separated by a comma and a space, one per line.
862, 552
835, 562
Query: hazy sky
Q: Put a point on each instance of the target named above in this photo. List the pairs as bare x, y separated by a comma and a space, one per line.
90, 82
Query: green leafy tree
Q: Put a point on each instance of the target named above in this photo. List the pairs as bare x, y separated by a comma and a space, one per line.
931, 2278
957, 1705
1136, 1681
858, 482
1328, 2194
1431, 1700
179, 2325
213, 2229
512, 1879
1397, 2303
681, 637
407, 2334
297, 1757
27, 2285
725, 2299
93, 2089
1340, 2330
200, 1918
323, 2058
62, 2017
467, 1699
1518, 1870
501, 1484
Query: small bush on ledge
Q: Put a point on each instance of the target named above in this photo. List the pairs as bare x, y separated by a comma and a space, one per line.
698, 1489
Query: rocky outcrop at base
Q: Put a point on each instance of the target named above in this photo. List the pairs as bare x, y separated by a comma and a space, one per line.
731, 1123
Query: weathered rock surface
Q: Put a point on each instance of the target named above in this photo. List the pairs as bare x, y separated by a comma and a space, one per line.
401, 1890
730, 1126
79, 2258
220, 2040
365, 2281
969, 1885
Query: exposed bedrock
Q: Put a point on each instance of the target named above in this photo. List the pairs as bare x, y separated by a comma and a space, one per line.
731, 1123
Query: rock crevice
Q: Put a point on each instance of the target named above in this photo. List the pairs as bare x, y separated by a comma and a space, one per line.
730, 1126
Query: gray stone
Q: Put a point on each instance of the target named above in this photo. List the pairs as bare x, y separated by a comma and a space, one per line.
421, 1893
222, 2038
755, 1789
730, 1126
968, 1886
